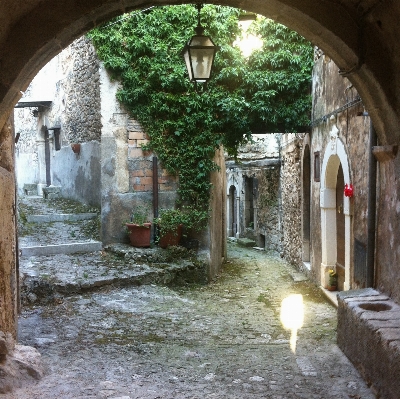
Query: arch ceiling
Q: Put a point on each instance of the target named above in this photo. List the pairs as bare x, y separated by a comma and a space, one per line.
361, 36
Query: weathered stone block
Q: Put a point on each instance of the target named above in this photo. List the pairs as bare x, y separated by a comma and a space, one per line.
135, 152
136, 136
51, 192
246, 242
369, 335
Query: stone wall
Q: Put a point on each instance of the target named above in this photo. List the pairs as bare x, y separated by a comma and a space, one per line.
255, 177
331, 92
70, 82
8, 243
291, 197
126, 170
79, 93
269, 216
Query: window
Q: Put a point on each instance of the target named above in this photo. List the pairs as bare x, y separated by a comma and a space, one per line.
317, 166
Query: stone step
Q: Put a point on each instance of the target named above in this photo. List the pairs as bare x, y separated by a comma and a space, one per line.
46, 278
60, 217
246, 242
71, 248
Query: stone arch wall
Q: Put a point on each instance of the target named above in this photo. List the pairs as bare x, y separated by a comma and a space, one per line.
361, 37
32, 33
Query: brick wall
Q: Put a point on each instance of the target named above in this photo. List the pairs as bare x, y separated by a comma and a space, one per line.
140, 163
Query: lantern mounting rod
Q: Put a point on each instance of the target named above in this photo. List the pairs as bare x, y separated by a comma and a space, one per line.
199, 29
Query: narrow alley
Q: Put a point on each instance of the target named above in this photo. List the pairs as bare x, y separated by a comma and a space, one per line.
222, 340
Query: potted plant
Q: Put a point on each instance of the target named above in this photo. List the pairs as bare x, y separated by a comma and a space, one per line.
139, 228
332, 284
170, 224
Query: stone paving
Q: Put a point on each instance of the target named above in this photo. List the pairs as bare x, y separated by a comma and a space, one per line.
222, 340
128, 340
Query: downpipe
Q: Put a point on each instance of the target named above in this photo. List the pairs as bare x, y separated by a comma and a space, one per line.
371, 221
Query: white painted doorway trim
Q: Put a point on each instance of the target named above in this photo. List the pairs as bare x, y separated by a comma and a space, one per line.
334, 155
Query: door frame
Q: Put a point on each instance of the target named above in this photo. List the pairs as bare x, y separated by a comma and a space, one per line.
335, 154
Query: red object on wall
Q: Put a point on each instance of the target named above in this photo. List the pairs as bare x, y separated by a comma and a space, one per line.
348, 190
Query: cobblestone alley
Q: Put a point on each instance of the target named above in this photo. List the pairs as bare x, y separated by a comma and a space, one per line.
222, 340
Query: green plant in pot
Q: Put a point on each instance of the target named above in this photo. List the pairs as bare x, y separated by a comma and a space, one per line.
333, 280
139, 227
170, 223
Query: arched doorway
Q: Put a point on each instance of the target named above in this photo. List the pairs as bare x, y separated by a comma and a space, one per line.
232, 209
335, 213
249, 184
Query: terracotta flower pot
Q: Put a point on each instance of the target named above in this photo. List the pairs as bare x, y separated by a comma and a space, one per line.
139, 235
76, 148
331, 287
170, 237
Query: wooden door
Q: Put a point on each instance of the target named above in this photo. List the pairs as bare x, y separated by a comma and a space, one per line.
340, 229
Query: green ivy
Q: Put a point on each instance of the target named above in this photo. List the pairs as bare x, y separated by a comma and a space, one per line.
268, 92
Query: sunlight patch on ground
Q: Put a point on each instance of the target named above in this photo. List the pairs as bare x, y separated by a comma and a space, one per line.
292, 316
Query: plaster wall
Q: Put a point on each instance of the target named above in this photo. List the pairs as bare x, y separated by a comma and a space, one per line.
388, 227
78, 174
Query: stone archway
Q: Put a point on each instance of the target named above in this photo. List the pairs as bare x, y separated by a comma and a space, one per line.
34, 32
335, 155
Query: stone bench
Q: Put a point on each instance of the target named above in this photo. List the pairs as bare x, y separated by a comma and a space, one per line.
51, 192
369, 335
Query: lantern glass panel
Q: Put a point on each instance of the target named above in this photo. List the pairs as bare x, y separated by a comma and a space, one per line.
201, 63
186, 56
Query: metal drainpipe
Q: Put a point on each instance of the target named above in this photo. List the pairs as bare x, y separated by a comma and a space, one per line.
371, 222
155, 192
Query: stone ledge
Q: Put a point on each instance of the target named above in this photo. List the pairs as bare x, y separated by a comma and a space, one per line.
76, 247
369, 335
246, 242
60, 217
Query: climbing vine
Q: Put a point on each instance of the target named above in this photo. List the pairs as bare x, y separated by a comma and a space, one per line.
268, 92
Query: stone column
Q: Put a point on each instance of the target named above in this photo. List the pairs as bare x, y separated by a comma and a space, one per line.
238, 224
40, 140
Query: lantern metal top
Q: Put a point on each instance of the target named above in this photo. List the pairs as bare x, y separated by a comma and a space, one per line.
199, 53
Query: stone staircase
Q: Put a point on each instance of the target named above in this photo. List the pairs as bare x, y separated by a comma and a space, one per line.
60, 255
46, 229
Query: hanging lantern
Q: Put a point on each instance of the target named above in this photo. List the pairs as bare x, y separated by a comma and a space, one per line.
348, 190
199, 53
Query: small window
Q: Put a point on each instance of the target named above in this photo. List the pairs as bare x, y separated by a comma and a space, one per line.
317, 166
